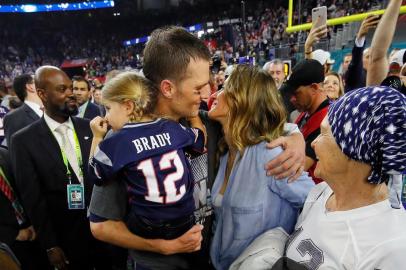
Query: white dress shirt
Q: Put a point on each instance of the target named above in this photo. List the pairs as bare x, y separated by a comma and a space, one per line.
82, 109
35, 107
53, 125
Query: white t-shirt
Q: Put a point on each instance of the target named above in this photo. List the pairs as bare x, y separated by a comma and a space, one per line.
368, 238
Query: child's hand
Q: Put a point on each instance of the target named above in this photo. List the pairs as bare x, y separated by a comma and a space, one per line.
99, 127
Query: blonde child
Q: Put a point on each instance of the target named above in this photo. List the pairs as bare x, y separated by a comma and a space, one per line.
148, 154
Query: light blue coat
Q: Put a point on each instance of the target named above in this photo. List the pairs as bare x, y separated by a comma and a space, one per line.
253, 203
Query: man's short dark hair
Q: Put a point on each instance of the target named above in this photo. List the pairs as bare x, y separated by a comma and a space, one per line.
81, 79
168, 52
14, 103
19, 85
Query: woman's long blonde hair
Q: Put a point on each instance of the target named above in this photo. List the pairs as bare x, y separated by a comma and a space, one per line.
256, 111
131, 86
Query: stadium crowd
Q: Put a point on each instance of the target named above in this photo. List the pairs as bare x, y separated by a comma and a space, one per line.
186, 153
23, 52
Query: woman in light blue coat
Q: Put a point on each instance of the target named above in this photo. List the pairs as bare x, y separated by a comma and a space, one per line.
247, 202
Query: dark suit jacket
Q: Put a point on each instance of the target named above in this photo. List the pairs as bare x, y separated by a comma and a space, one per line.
28, 253
41, 179
102, 109
92, 110
18, 119
356, 76
8, 223
214, 134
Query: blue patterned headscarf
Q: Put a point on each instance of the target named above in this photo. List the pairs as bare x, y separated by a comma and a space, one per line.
369, 125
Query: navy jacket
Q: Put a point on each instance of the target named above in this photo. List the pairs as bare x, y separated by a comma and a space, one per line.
356, 75
92, 110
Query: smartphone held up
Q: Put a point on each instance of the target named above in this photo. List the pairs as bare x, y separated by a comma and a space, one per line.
319, 17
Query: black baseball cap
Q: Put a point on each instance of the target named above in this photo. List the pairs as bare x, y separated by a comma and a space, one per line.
396, 83
304, 73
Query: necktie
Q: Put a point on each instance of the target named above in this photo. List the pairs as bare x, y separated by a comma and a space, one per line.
8, 191
69, 150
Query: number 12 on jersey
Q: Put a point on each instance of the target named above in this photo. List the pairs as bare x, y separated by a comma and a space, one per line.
171, 193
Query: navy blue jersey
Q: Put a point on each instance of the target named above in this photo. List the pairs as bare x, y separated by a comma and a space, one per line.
150, 158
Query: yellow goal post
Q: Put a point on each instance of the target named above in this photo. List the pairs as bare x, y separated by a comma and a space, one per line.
336, 21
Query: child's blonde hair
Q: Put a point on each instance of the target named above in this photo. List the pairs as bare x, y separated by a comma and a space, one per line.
131, 86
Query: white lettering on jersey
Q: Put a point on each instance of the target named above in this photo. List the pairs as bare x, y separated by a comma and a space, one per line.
167, 138
152, 142
161, 140
138, 146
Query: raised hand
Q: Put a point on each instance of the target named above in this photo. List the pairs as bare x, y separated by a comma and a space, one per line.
369, 23
316, 33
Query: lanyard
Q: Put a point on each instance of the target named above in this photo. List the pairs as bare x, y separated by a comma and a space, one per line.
15, 203
5, 178
78, 155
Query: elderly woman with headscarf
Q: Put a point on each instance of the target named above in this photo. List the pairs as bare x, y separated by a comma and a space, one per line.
348, 222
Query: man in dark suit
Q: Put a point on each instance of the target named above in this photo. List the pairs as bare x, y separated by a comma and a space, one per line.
29, 112
81, 90
48, 159
15, 229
